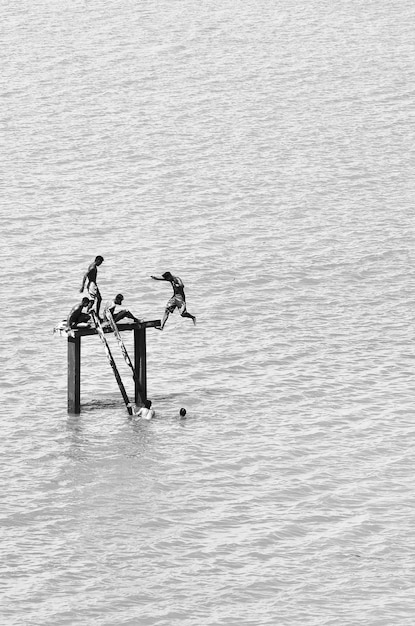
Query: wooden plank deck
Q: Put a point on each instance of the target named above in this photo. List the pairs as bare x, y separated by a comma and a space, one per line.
85, 331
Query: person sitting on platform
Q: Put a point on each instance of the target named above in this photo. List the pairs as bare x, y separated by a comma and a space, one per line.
118, 315
146, 412
76, 316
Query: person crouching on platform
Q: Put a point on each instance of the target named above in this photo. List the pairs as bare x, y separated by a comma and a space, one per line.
76, 316
118, 315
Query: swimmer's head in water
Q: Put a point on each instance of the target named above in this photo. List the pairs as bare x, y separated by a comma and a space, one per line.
182, 412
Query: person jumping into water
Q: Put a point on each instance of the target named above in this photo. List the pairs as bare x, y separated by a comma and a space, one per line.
92, 287
178, 300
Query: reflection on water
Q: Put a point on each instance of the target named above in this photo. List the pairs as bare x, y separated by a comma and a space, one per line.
265, 155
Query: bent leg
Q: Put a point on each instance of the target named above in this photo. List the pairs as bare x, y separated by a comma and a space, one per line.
123, 314
94, 298
185, 313
82, 317
98, 300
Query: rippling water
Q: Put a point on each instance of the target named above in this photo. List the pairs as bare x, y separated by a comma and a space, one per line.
264, 152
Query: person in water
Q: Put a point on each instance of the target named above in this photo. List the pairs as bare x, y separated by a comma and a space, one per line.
182, 413
118, 315
178, 300
76, 315
90, 277
146, 412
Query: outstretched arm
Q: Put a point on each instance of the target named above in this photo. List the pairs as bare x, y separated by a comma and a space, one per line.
158, 278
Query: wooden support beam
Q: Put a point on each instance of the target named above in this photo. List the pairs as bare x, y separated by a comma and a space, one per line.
84, 331
140, 364
74, 358
74, 375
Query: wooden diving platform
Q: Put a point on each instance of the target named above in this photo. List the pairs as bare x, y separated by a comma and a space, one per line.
74, 337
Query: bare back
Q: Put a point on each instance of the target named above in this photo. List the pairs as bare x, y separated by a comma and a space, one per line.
91, 273
178, 287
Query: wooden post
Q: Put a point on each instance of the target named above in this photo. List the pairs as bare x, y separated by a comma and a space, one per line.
74, 374
74, 360
140, 364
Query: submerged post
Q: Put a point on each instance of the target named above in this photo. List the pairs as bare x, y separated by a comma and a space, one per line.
140, 364
74, 374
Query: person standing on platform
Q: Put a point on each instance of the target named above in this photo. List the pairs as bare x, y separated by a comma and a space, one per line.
92, 287
178, 300
76, 316
118, 315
